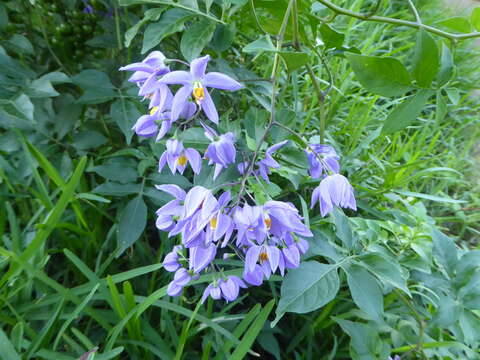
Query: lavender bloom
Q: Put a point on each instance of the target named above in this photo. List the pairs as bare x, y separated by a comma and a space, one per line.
396, 357
182, 277
228, 289
177, 157
171, 263
267, 255
194, 84
254, 277
282, 218
88, 9
172, 209
329, 161
221, 151
334, 190
250, 225
269, 162
145, 75
202, 256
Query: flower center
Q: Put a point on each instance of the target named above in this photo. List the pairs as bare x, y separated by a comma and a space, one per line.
182, 160
263, 257
213, 223
268, 221
198, 92
153, 110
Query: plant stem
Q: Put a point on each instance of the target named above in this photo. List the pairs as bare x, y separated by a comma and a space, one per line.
276, 63
342, 11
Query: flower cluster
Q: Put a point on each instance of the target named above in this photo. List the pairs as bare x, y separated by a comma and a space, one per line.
267, 238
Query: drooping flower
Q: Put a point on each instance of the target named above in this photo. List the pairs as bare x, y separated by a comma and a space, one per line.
171, 262
284, 217
194, 83
334, 190
181, 278
221, 150
250, 224
322, 159
146, 75
177, 157
167, 213
201, 256
269, 162
227, 288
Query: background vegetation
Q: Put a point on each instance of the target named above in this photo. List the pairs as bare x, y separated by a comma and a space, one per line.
80, 255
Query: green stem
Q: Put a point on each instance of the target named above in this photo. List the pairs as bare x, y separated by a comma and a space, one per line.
342, 11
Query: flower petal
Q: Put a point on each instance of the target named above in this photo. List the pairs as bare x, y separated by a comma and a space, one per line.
195, 159
221, 81
177, 77
180, 100
198, 67
209, 108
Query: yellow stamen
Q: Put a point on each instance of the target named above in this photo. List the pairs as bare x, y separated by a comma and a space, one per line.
268, 221
182, 160
153, 110
213, 223
198, 92
263, 257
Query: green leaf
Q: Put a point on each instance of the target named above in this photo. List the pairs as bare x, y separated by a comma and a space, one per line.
366, 292
294, 60
7, 350
88, 139
96, 86
307, 288
125, 114
251, 334
426, 60
343, 229
457, 23
119, 170
263, 43
21, 44
446, 66
151, 14
21, 107
444, 250
381, 75
387, 270
172, 21
195, 38
407, 112
41, 88
131, 224
330, 37
366, 343
475, 18
430, 197
223, 37
115, 189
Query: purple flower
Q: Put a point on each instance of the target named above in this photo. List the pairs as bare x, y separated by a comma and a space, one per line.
182, 277
177, 157
334, 190
145, 76
221, 150
269, 162
171, 263
322, 158
201, 256
267, 255
167, 213
254, 277
227, 288
194, 84
282, 217
88, 9
250, 225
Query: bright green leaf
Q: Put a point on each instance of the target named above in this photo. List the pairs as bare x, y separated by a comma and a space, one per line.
475, 18
195, 38
381, 75
264, 43
406, 113
131, 224
457, 24
426, 60
330, 37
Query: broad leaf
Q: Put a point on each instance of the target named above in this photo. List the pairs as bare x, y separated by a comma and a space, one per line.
457, 23
96, 85
172, 21
131, 223
446, 66
263, 43
427, 60
444, 250
331, 38
475, 18
125, 114
381, 75
406, 113
307, 288
195, 38
366, 292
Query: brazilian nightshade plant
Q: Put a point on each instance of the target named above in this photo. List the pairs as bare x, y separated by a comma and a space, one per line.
267, 237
